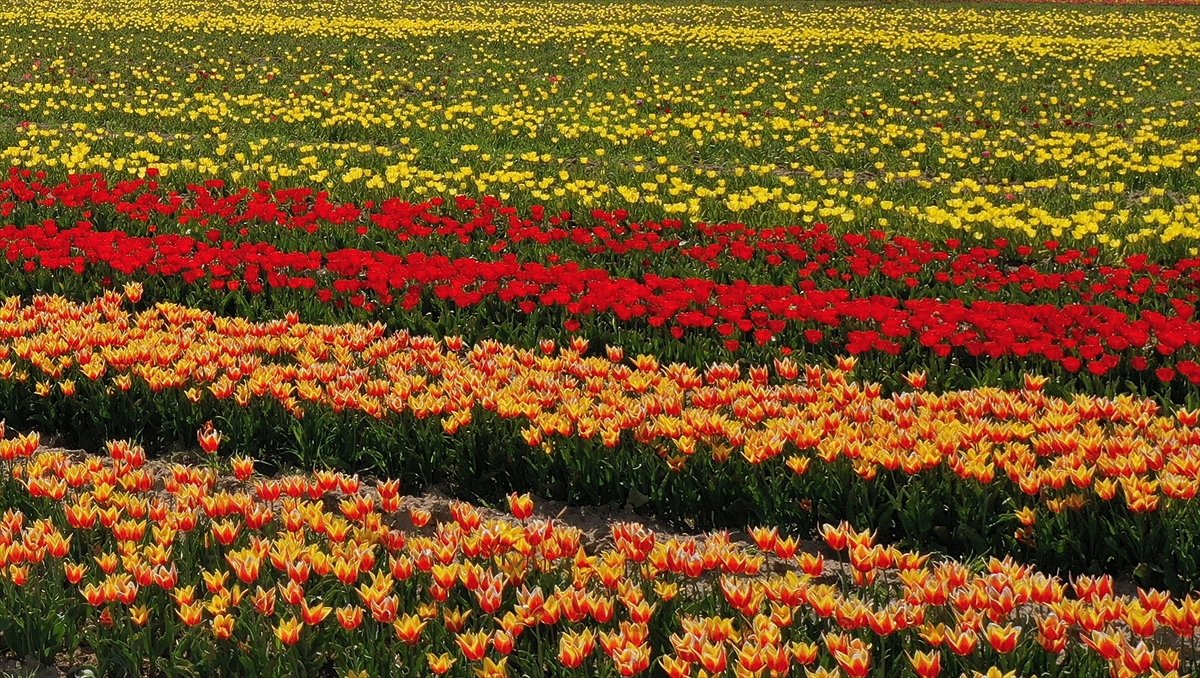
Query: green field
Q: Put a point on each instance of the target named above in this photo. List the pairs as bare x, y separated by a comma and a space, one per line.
1031, 122
759, 339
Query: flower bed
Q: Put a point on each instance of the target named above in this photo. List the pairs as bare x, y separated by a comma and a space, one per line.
197, 568
1052, 477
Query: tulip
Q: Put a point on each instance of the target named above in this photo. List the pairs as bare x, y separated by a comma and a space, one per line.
350, 617
521, 506
209, 439
222, 626
473, 645
409, 628
1106, 645
75, 572
288, 631
926, 664
313, 615
674, 667
1003, 638
191, 614
575, 647
243, 468
440, 664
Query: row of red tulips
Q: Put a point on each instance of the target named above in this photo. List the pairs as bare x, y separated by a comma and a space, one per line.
815, 257
1074, 337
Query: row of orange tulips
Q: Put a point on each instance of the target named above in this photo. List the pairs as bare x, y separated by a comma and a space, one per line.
1054, 474
1110, 447
163, 567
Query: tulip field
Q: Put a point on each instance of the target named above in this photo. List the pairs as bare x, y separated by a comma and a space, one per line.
754, 338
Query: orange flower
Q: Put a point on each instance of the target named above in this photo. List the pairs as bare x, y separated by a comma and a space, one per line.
243, 468
813, 564
493, 669
521, 506
1106, 645
314, 615
675, 667
245, 565
786, 547
383, 610
926, 664
994, 672
350, 617
108, 562
140, 614
209, 438
420, 517
835, 536
575, 647
455, 619
264, 601
855, 663
765, 537
503, 641
1137, 659
1141, 621
1168, 659
75, 572
191, 614
345, 570
226, 531
292, 592
632, 659
184, 595
409, 628
222, 626
1003, 638
133, 291
215, 580
440, 664
713, 657
288, 631
962, 642
473, 645
1027, 516
1035, 382
298, 571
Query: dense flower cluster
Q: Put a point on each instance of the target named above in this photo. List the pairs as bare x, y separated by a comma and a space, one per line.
220, 214
840, 115
366, 583
809, 267
1076, 336
1040, 443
